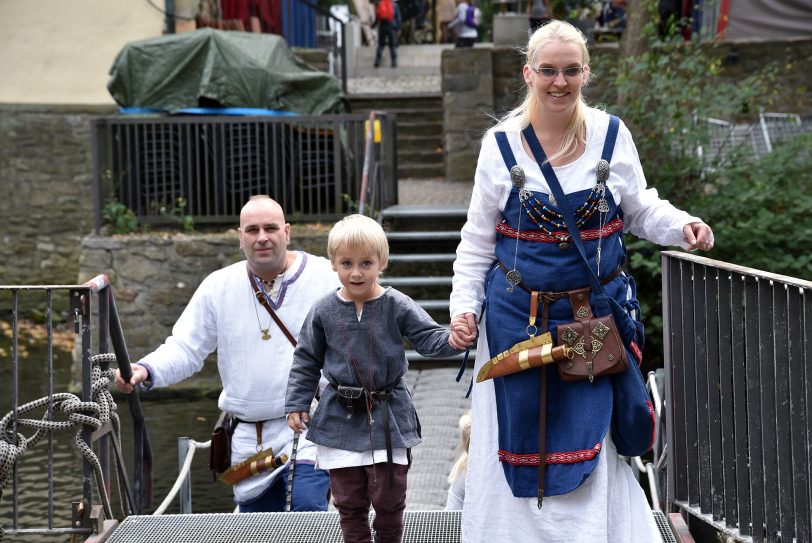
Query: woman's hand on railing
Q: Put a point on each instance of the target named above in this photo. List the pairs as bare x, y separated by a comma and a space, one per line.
140, 374
698, 235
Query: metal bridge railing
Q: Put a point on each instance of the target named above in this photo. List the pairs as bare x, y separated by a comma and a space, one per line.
312, 165
738, 360
93, 311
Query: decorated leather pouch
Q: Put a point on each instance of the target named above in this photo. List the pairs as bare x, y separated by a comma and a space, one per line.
353, 398
595, 342
220, 451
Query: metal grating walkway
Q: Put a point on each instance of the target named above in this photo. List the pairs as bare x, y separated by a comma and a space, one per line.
665, 529
419, 527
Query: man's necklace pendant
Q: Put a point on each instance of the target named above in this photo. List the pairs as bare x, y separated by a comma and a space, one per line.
266, 335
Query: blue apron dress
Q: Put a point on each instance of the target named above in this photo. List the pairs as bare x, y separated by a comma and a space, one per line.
578, 413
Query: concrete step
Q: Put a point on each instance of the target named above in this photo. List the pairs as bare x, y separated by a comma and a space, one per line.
402, 282
422, 258
423, 237
420, 171
421, 157
413, 356
433, 264
429, 142
364, 103
419, 129
401, 212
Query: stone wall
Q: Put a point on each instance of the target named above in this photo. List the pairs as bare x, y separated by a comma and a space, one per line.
154, 275
46, 201
467, 88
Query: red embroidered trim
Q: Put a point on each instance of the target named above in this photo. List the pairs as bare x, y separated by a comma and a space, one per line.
551, 457
557, 237
653, 424
638, 353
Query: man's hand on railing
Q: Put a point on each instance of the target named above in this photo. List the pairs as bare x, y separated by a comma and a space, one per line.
140, 374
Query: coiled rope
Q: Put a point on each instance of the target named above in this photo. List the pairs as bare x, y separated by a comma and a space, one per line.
94, 414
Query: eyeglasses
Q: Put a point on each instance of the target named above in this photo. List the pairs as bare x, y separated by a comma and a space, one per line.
551, 73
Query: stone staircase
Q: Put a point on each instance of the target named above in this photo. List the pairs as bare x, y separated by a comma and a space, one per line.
422, 245
419, 130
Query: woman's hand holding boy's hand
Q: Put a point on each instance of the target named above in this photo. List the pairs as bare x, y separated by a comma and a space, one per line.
463, 331
298, 421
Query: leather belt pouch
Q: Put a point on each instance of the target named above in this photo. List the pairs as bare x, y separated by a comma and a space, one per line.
596, 343
220, 451
353, 398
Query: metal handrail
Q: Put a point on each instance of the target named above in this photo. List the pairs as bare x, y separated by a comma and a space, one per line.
108, 329
737, 353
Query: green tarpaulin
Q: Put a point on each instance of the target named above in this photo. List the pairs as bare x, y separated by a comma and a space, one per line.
213, 68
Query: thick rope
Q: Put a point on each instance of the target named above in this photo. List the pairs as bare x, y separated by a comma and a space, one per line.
184, 472
94, 414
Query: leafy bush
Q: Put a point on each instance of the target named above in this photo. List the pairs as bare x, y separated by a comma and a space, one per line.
757, 208
760, 211
119, 217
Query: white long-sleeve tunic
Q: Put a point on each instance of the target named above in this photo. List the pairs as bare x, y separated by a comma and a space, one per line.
223, 314
610, 505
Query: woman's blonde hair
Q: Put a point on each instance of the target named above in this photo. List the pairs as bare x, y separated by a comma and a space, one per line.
358, 232
553, 32
461, 464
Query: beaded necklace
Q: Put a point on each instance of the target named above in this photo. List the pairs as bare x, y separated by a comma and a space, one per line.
541, 214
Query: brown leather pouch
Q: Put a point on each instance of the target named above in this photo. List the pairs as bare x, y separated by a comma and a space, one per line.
596, 343
220, 451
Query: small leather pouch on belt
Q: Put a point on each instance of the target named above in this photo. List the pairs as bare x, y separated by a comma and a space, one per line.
595, 342
220, 451
356, 399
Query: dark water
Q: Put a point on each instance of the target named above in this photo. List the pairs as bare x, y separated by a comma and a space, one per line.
166, 421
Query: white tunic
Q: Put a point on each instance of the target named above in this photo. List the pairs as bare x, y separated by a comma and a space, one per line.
223, 315
609, 506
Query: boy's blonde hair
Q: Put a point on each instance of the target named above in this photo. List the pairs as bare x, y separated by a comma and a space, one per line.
358, 232
553, 32
461, 464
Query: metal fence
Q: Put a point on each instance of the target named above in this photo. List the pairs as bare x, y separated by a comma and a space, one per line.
738, 355
312, 165
93, 311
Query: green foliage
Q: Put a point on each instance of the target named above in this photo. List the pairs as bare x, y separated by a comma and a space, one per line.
176, 213
759, 209
667, 93
119, 217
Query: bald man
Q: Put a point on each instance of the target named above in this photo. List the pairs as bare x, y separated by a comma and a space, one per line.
254, 355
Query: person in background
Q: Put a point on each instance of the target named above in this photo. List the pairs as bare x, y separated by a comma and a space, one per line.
564, 482
537, 14
464, 25
387, 21
365, 424
456, 479
253, 353
445, 14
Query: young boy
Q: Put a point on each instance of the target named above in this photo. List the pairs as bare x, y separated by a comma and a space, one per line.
365, 423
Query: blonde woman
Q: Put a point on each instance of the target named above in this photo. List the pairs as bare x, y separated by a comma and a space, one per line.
544, 457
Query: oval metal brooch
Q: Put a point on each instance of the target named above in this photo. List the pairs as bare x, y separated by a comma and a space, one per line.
602, 171
517, 176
